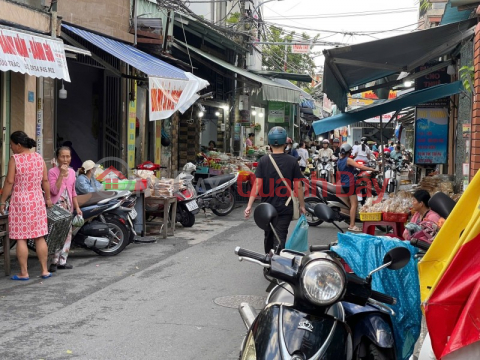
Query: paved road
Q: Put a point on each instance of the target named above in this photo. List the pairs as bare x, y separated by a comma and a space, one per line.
173, 299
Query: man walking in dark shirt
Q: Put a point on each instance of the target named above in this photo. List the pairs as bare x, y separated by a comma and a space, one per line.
272, 187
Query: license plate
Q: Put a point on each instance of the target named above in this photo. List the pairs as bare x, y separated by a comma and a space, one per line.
132, 214
192, 205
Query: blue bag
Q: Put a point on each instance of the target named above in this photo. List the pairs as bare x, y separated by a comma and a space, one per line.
298, 241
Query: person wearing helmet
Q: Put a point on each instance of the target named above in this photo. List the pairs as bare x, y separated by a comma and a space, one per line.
362, 152
346, 168
336, 148
273, 190
325, 151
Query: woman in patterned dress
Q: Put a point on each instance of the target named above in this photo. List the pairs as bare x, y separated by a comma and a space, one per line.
27, 217
62, 188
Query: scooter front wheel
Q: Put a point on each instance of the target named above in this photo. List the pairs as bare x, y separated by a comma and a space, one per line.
118, 236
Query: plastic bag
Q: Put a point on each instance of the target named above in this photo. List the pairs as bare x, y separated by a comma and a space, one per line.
78, 221
298, 241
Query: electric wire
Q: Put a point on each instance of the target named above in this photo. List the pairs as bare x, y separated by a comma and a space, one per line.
341, 15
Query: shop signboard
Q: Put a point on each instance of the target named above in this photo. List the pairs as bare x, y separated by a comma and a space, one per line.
276, 112
243, 116
32, 55
132, 127
431, 136
300, 48
433, 79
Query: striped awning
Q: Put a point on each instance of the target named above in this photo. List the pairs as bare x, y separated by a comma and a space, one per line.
140, 60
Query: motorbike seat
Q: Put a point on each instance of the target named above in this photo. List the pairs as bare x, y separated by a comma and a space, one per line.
331, 188
215, 181
95, 197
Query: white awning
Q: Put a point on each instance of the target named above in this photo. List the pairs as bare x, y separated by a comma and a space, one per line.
32, 54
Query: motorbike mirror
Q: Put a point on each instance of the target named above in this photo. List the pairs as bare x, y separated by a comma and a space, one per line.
264, 215
398, 257
324, 213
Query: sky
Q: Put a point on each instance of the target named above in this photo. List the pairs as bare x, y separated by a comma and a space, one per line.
350, 16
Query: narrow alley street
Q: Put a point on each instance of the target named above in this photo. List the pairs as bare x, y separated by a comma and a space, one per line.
173, 299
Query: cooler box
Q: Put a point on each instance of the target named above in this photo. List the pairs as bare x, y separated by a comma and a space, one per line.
131, 185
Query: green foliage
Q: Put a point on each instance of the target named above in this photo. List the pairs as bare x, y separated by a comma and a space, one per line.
425, 5
467, 77
234, 18
274, 55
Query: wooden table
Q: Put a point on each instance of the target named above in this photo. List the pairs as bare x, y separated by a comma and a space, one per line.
6, 243
169, 217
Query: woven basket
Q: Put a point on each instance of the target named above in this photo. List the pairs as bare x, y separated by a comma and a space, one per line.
59, 223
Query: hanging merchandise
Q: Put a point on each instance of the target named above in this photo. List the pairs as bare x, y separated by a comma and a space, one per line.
398, 131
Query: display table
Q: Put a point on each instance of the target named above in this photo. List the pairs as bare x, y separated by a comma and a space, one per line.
398, 227
166, 206
6, 243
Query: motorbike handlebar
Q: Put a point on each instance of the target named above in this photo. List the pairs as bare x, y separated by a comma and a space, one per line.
383, 298
252, 255
315, 248
420, 244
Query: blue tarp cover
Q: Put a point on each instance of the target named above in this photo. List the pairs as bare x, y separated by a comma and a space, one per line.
363, 253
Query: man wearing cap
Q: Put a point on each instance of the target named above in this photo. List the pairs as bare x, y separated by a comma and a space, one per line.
273, 190
86, 182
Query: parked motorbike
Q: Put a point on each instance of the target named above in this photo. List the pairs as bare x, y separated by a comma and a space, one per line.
108, 226
214, 193
322, 192
317, 310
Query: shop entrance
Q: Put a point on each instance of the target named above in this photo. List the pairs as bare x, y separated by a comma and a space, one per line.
112, 126
89, 119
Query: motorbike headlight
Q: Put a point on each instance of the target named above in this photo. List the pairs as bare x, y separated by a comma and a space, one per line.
323, 282
249, 351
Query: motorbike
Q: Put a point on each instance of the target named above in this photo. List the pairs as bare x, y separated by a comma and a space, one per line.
392, 173
324, 168
108, 225
317, 310
319, 192
214, 193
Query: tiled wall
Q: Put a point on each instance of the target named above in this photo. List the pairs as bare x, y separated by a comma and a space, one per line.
23, 112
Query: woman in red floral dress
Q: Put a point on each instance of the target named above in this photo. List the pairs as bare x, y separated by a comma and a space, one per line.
27, 217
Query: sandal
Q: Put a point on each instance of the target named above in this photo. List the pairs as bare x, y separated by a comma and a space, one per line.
354, 229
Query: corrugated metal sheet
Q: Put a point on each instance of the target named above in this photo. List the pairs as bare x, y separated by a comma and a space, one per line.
127, 53
271, 90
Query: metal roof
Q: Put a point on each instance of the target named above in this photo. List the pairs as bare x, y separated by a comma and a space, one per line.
271, 90
351, 66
